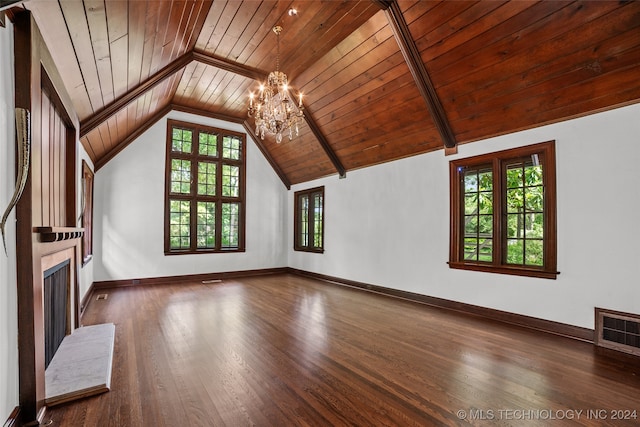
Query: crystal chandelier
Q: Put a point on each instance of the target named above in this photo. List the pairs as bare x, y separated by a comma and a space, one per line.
274, 111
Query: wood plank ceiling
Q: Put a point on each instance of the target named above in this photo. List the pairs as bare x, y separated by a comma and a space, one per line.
490, 68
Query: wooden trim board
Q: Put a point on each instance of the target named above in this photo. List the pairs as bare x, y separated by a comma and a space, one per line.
106, 284
14, 418
548, 326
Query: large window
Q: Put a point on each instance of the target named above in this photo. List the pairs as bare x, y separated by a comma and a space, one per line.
309, 220
503, 212
205, 203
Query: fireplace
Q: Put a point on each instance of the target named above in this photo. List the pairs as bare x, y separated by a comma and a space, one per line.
59, 288
56, 307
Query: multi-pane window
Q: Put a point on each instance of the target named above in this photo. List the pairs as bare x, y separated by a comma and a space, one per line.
204, 189
503, 215
87, 213
478, 214
309, 220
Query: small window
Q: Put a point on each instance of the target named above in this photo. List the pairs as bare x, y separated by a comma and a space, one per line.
503, 212
309, 220
86, 219
205, 188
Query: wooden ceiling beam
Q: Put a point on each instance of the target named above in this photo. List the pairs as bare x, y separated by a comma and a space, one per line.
92, 122
325, 145
131, 137
417, 68
232, 67
114, 107
206, 113
277, 169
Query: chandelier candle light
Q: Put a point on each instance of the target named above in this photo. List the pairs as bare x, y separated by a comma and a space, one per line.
274, 111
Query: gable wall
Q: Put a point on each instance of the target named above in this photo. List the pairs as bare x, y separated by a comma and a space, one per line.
129, 206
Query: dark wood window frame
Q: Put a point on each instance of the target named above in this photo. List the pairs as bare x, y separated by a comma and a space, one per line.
87, 213
306, 238
193, 198
497, 163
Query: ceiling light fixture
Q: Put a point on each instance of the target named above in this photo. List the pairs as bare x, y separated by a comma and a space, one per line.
274, 111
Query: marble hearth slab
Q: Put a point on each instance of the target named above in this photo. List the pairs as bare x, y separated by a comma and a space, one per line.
82, 365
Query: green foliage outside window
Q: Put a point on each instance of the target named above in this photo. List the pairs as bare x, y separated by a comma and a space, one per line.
208, 144
309, 220
204, 189
503, 212
525, 214
179, 224
478, 215
206, 227
180, 176
181, 141
230, 219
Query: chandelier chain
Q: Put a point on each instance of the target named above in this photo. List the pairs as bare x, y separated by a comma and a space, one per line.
277, 29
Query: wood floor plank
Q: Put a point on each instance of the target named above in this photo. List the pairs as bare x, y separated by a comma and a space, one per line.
283, 350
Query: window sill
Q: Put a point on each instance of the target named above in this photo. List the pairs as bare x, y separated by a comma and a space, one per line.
222, 251
513, 270
313, 251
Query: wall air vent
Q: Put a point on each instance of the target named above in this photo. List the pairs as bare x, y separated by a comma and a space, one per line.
618, 331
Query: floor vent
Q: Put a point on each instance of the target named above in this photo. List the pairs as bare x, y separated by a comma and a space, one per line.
618, 331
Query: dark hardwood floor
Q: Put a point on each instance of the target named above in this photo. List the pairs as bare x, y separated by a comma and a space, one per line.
283, 350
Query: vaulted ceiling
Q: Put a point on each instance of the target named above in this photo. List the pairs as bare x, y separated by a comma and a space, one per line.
381, 79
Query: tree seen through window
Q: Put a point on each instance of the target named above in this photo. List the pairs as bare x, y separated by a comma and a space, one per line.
205, 189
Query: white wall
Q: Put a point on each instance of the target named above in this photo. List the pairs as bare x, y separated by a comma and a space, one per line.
8, 287
388, 225
129, 206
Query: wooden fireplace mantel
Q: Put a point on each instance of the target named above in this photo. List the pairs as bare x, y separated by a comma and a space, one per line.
58, 234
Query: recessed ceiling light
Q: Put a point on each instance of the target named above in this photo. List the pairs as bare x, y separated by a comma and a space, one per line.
293, 12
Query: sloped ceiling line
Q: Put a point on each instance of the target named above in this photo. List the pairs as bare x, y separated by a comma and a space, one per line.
226, 65
418, 70
95, 120
325, 146
131, 137
278, 170
92, 122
